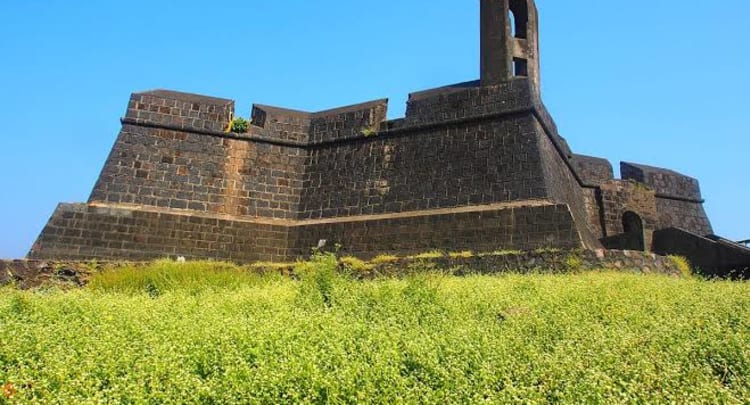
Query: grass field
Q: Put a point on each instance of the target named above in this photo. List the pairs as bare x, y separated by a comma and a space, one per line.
208, 333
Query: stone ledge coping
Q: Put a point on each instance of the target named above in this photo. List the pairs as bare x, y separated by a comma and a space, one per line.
186, 97
121, 209
677, 198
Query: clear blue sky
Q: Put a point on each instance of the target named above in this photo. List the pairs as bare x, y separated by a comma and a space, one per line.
659, 82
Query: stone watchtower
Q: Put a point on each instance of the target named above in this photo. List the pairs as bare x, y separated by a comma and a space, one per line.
510, 41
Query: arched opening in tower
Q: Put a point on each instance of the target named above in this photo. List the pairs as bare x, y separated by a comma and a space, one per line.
519, 18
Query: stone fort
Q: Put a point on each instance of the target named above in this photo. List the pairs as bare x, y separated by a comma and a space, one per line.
472, 166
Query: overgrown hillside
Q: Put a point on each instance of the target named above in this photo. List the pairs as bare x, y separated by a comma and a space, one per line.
208, 333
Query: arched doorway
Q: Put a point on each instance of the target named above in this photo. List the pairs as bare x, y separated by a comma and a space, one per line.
632, 225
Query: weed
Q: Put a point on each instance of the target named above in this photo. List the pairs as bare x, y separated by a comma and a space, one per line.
167, 275
355, 265
435, 254
369, 132
504, 253
239, 125
547, 250
683, 265
318, 279
461, 255
573, 262
384, 259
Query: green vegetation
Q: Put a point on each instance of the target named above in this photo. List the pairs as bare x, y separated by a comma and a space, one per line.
502, 253
435, 254
384, 259
167, 276
217, 333
239, 125
369, 131
355, 265
461, 255
573, 262
683, 265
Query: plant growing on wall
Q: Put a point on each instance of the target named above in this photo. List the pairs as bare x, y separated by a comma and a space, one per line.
239, 125
369, 131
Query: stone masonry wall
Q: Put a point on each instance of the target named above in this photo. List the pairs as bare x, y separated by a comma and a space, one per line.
564, 188
83, 232
683, 214
305, 129
458, 147
664, 182
480, 161
281, 124
452, 103
679, 201
186, 170
619, 197
711, 258
520, 227
180, 110
351, 122
451, 166
594, 211
593, 171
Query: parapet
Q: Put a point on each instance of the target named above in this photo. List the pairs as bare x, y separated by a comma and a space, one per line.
181, 111
280, 124
304, 128
667, 183
468, 100
593, 171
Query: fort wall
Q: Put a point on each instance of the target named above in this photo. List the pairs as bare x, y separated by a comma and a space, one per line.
678, 197
201, 172
85, 231
472, 166
176, 183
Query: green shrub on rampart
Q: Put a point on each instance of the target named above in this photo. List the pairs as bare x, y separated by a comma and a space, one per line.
239, 125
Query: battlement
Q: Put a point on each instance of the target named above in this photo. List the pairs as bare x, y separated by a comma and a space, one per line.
667, 183
304, 128
191, 112
468, 100
172, 110
593, 171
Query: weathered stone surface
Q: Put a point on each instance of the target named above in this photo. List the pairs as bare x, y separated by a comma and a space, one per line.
712, 256
79, 232
176, 183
